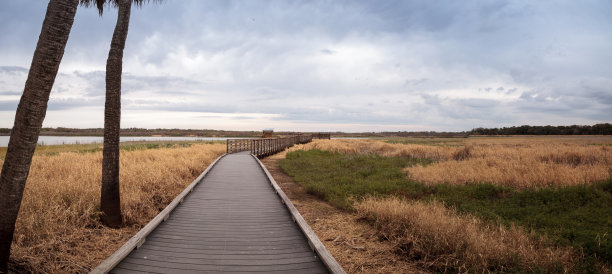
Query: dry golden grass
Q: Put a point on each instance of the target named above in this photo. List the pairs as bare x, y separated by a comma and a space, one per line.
364, 146
521, 165
58, 230
541, 139
518, 162
441, 240
355, 244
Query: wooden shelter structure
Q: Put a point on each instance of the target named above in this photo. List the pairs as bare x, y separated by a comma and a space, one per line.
267, 133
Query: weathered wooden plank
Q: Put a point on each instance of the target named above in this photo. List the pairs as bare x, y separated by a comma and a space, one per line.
130, 271
232, 222
204, 224
130, 268
222, 250
140, 237
219, 261
275, 251
243, 234
313, 240
155, 269
230, 256
224, 241
209, 266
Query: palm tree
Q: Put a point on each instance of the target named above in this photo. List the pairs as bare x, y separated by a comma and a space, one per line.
110, 201
30, 115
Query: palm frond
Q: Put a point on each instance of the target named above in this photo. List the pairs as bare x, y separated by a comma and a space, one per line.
98, 3
101, 3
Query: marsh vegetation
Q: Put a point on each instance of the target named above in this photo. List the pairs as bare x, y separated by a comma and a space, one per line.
455, 224
477, 204
58, 228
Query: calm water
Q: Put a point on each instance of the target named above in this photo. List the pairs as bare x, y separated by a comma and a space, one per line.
66, 140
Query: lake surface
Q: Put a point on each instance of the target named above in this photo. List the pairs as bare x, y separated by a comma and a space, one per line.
67, 140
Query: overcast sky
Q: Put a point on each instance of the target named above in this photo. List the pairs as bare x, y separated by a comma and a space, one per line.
326, 65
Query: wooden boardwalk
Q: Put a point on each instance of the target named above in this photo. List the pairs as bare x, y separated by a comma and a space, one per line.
233, 221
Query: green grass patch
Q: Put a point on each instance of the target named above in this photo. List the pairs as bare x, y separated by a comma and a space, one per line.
579, 216
338, 177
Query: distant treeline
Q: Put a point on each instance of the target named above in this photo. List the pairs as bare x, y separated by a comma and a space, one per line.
62, 131
598, 129
402, 134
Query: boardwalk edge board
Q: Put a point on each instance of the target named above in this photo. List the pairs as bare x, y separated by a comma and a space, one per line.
332, 265
140, 237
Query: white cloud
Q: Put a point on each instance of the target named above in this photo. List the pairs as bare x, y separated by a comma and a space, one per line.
405, 65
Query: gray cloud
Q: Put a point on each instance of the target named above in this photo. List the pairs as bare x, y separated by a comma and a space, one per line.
11, 93
438, 65
13, 70
9, 105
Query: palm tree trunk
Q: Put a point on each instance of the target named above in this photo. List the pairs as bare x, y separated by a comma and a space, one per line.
110, 202
30, 115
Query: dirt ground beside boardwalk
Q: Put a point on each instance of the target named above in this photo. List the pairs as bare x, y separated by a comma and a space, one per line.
353, 242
